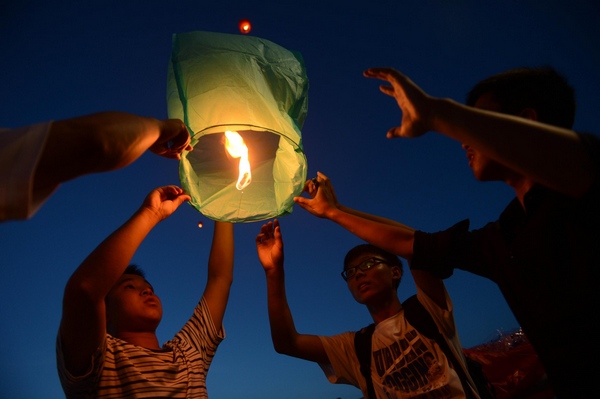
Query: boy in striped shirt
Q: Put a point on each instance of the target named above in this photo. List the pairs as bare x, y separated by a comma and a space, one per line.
107, 345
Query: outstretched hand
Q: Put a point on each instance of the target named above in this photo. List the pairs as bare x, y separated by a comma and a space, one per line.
173, 140
414, 102
269, 245
163, 201
323, 198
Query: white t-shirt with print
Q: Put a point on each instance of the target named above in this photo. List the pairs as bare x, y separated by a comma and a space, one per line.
404, 363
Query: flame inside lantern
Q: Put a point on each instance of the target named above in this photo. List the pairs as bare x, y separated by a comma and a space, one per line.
234, 144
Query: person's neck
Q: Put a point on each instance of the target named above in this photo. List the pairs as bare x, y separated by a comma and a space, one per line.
384, 309
147, 339
521, 185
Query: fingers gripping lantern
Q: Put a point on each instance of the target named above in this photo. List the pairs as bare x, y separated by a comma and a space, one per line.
244, 100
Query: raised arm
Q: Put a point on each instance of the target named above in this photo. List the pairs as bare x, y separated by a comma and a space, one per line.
83, 323
220, 271
103, 142
384, 233
548, 155
286, 340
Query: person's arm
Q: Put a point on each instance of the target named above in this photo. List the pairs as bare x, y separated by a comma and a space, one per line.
548, 155
384, 233
220, 271
83, 323
103, 142
433, 287
286, 339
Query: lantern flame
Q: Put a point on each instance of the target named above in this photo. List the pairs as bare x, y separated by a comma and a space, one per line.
234, 144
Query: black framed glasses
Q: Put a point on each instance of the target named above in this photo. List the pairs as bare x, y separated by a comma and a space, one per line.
365, 265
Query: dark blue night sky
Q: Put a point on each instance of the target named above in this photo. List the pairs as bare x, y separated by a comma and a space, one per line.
61, 59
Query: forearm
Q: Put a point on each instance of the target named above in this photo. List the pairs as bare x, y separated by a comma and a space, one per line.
93, 143
381, 232
283, 330
220, 271
120, 136
549, 155
220, 261
374, 218
103, 267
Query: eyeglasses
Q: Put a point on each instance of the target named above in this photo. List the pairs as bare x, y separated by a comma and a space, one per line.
366, 265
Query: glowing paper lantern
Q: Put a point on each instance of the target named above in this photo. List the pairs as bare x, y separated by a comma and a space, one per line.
255, 90
244, 26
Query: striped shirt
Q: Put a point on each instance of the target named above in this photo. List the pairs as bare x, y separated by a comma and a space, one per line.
122, 370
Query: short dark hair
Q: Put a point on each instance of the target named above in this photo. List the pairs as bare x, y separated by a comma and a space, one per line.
540, 88
135, 269
390, 258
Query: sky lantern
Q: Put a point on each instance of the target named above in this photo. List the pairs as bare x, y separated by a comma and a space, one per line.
244, 26
244, 100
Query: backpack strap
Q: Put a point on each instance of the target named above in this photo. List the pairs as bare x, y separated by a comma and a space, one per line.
418, 317
362, 346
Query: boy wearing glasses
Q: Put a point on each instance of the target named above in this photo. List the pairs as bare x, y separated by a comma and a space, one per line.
401, 357
542, 251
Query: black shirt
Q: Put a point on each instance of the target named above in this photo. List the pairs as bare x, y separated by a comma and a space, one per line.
546, 260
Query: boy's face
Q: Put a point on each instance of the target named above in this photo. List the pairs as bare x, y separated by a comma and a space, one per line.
131, 305
375, 283
484, 168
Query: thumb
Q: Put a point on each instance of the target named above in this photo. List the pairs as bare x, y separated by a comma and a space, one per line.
301, 201
394, 132
182, 198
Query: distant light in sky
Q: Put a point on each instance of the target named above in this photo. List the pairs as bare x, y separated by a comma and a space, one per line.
244, 26
200, 224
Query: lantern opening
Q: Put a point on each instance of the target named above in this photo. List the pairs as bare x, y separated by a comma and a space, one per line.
235, 146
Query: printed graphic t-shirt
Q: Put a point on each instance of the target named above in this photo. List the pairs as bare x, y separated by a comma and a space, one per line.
404, 363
